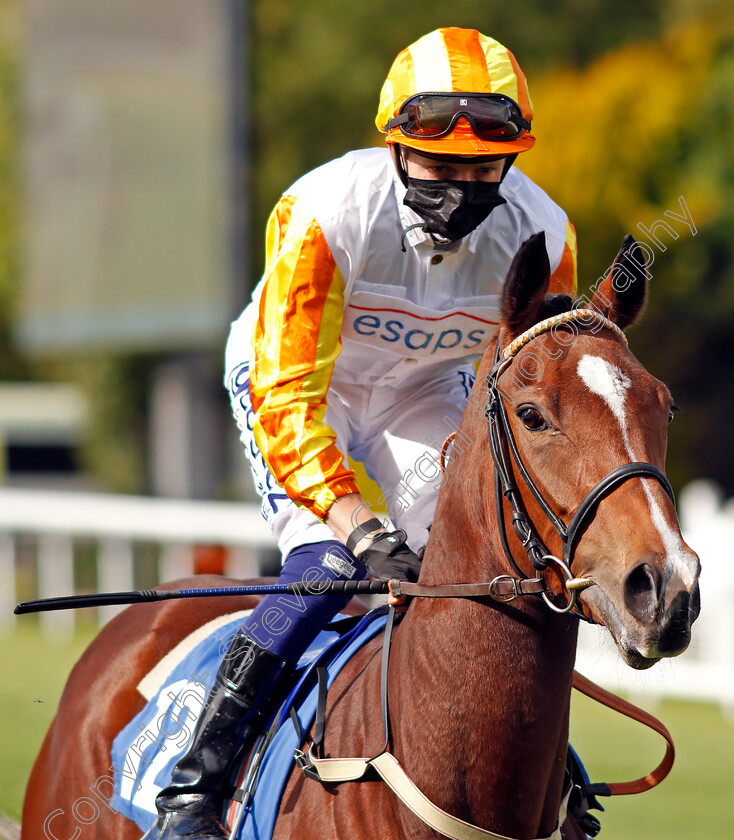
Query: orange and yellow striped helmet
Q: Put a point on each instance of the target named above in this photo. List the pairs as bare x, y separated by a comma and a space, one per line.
455, 61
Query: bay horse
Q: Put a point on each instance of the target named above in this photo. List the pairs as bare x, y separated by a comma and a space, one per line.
479, 688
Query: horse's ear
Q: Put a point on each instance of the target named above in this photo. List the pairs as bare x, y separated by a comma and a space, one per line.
621, 296
526, 285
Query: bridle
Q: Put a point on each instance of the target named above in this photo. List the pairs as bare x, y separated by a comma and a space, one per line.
505, 588
505, 452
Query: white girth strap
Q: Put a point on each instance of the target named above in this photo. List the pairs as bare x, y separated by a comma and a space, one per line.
331, 770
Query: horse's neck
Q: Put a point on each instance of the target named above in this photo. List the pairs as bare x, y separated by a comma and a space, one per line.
480, 698
481, 690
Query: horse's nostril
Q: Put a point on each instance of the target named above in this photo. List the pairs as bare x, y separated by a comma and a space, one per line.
640, 595
677, 631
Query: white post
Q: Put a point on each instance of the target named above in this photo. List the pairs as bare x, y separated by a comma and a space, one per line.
242, 563
7, 582
56, 577
176, 561
114, 572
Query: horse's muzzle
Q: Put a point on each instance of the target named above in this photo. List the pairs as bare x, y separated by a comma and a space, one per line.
664, 603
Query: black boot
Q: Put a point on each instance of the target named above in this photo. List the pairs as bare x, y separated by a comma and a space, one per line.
244, 693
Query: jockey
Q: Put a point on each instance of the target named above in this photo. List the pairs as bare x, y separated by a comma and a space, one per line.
382, 287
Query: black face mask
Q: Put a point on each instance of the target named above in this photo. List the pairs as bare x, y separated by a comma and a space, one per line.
452, 209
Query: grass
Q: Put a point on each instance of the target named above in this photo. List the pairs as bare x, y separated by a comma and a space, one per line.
35, 672
691, 803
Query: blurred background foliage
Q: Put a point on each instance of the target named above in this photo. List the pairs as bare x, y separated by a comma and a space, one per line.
655, 125
634, 103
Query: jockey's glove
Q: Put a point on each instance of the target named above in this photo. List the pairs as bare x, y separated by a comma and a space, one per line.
389, 558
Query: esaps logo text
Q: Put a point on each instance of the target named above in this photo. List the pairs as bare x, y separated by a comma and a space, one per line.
454, 335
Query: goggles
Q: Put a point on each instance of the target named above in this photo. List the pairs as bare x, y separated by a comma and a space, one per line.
492, 116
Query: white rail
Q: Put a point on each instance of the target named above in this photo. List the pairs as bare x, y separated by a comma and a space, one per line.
132, 517
46, 528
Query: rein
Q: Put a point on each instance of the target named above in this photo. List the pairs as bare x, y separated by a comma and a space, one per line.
503, 588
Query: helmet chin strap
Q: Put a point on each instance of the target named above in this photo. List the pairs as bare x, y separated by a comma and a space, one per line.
396, 150
509, 160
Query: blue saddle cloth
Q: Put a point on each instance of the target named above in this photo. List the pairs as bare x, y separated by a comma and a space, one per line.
146, 750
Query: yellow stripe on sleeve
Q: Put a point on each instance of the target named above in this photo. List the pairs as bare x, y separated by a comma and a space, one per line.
295, 344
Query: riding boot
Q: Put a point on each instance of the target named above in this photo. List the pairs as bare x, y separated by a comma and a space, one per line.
245, 691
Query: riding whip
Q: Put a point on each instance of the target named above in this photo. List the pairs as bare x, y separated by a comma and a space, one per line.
142, 596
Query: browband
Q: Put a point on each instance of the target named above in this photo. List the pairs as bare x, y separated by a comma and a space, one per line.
588, 316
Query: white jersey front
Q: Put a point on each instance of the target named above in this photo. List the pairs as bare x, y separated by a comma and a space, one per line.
352, 293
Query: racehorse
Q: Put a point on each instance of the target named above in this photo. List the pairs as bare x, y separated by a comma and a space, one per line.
553, 486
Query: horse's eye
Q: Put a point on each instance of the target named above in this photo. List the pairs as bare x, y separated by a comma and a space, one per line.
531, 418
672, 412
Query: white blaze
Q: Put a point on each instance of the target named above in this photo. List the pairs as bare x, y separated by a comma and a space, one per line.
611, 384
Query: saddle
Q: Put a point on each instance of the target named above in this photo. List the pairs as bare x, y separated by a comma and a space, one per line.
176, 690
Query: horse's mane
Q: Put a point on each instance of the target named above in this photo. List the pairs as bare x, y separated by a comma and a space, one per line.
554, 305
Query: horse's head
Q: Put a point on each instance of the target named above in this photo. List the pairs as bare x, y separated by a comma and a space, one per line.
579, 405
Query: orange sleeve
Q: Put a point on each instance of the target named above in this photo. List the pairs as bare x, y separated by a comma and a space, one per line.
564, 279
296, 341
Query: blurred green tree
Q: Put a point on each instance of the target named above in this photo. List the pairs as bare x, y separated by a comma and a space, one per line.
649, 128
